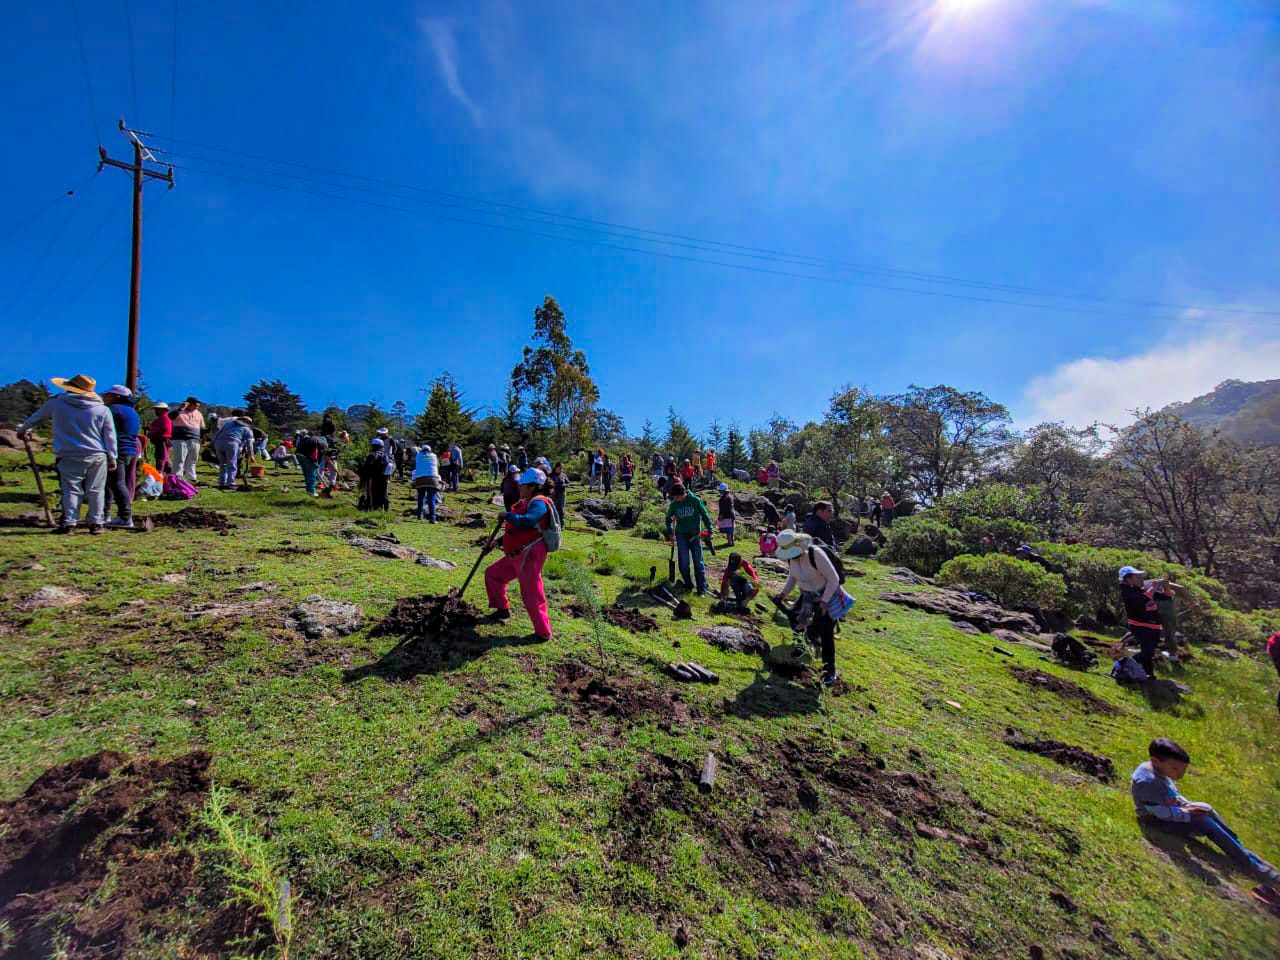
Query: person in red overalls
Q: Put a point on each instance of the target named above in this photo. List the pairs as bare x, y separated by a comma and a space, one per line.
524, 553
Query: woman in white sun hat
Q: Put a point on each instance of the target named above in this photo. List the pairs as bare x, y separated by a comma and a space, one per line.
810, 568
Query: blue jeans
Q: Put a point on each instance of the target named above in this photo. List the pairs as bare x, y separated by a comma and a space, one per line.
1215, 829
309, 470
686, 546
493, 472
228, 461
428, 499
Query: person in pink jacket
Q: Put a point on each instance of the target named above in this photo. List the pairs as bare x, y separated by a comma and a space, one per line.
160, 433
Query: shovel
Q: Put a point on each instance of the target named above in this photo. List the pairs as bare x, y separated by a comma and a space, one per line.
44, 501
671, 561
681, 608
459, 591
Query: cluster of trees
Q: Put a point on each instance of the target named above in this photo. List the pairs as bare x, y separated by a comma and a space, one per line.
1159, 484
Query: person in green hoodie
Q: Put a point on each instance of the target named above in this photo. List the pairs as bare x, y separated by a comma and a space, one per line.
686, 518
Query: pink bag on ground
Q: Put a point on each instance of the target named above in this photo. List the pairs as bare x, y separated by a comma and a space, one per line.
175, 488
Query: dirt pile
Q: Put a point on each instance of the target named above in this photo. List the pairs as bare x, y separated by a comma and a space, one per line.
1066, 755
615, 695
1064, 688
633, 619
430, 617
90, 853
195, 518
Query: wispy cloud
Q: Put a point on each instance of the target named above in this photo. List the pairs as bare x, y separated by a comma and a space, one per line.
442, 36
1184, 364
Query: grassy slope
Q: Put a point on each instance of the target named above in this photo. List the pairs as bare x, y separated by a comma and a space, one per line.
467, 811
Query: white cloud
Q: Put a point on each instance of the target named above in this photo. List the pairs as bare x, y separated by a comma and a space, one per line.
444, 44
1179, 367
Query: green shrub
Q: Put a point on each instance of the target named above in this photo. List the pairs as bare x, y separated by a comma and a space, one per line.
1006, 534
992, 501
1015, 583
604, 560
921, 543
1093, 589
652, 525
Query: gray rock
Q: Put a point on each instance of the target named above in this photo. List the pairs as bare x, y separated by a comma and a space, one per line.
174, 578
906, 575
987, 617
733, 638
318, 617
52, 596
435, 563
260, 586
964, 626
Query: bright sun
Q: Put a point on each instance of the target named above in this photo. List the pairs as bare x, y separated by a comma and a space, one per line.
946, 7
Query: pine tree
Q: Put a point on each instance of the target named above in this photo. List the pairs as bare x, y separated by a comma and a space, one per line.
681, 442
282, 407
399, 416
735, 453
647, 442
445, 420
715, 437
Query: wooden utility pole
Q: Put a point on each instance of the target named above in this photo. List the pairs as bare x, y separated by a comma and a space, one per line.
140, 175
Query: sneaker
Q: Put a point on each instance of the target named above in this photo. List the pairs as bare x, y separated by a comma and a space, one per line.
96, 529
497, 616
829, 678
122, 523
64, 528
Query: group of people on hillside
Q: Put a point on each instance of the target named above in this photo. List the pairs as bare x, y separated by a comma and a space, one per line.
99, 448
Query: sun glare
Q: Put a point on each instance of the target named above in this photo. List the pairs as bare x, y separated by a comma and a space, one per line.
961, 7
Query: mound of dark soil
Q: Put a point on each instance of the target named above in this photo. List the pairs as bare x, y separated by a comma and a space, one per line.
101, 819
1066, 755
1064, 688
634, 619
430, 617
616, 695
195, 518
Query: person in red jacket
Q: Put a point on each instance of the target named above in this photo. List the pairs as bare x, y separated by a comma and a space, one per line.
523, 554
687, 473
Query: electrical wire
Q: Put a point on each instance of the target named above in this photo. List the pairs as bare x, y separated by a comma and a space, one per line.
133, 73
68, 267
718, 247
433, 216
43, 258
667, 255
84, 69
12, 228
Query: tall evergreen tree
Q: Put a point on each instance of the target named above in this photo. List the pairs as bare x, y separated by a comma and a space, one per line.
735, 452
681, 442
554, 379
715, 437
445, 420
282, 407
647, 442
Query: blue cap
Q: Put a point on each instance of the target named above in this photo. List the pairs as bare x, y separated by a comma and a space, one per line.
533, 476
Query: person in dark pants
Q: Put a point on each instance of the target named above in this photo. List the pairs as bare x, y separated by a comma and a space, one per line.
559, 487
686, 518
511, 486
810, 569
727, 516
374, 472
739, 578
122, 480
1142, 614
818, 524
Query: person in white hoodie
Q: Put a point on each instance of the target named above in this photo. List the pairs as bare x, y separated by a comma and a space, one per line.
84, 446
810, 569
426, 480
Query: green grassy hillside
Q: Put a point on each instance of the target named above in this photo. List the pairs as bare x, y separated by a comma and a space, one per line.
490, 797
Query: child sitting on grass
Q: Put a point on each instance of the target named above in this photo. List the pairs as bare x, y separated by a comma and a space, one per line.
1159, 805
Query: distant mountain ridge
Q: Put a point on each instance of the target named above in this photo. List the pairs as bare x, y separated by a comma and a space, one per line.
1246, 412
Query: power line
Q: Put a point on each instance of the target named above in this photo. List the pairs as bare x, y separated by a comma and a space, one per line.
43, 258
133, 74
84, 68
717, 247
1061, 308
29, 218
69, 266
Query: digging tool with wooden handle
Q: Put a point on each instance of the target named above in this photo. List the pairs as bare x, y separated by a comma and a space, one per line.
31, 459
671, 560
476, 566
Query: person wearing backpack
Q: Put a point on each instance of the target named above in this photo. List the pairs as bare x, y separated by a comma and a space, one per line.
525, 546
818, 524
811, 568
727, 516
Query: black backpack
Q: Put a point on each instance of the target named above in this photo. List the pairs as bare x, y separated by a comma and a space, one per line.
831, 555
309, 447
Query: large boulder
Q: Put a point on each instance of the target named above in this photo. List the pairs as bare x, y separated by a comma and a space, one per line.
607, 514
954, 605
320, 618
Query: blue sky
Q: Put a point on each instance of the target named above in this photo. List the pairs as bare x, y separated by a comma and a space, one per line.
1119, 149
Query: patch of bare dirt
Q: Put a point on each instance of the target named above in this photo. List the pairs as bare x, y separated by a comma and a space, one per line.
91, 854
632, 619
616, 695
1065, 754
287, 550
429, 617
195, 518
1040, 680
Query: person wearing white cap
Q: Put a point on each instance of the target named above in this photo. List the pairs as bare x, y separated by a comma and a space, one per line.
811, 570
523, 553
1139, 597
84, 447
726, 518
122, 478
160, 433
234, 437
426, 480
